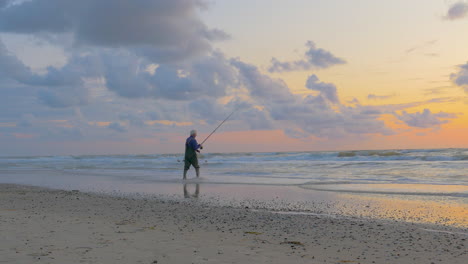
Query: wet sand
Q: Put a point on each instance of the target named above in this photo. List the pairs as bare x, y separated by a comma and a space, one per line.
52, 226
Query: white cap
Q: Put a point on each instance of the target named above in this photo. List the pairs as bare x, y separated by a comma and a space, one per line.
193, 132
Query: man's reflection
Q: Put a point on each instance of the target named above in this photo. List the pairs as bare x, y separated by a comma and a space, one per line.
188, 195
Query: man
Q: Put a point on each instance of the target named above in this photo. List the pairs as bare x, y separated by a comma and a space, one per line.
191, 149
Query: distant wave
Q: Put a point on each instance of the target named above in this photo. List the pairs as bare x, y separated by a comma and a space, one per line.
369, 153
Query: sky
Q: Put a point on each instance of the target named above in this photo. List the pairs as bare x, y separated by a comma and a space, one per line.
135, 76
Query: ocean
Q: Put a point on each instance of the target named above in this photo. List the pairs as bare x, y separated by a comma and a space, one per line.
355, 183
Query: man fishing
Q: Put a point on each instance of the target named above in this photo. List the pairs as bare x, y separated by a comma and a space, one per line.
191, 149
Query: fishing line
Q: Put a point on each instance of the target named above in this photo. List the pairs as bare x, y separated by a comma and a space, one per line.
219, 125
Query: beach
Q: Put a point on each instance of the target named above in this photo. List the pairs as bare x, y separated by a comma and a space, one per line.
200, 131
40, 225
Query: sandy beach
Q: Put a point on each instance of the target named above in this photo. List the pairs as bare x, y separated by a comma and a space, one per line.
53, 226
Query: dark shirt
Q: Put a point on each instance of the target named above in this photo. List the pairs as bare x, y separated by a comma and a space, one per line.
192, 143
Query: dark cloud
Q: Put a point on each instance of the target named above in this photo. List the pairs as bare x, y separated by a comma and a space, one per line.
315, 58
461, 77
164, 31
457, 11
425, 119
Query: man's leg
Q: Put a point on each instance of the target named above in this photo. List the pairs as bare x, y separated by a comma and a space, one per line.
196, 166
186, 168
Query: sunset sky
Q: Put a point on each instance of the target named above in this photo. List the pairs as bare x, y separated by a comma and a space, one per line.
135, 76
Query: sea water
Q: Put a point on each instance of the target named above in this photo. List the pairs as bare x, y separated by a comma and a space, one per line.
276, 180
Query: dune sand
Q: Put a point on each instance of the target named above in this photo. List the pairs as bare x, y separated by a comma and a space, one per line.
53, 226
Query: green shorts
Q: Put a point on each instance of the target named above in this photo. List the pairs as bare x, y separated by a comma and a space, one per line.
191, 161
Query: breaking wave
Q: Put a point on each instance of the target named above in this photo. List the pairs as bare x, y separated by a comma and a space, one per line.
369, 153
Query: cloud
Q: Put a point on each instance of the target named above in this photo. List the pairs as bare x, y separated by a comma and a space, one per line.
208, 109
391, 108
63, 134
423, 46
66, 86
164, 31
261, 86
315, 58
58, 88
133, 119
209, 76
267, 103
321, 115
147, 78
116, 126
11, 67
65, 97
438, 90
461, 77
4, 3
379, 97
458, 10
327, 89
425, 119
26, 120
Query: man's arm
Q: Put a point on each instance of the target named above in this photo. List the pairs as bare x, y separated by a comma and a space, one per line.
194, 144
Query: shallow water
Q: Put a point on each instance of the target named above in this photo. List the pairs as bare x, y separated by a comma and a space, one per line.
410, 185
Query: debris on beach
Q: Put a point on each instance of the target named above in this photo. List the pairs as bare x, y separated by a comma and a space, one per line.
125, 222
297, 243
252, 233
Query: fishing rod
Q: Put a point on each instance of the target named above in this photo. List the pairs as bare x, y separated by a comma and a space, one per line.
218, 126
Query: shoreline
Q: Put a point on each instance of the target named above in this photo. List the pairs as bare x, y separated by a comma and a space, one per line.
56, 226
436, 209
